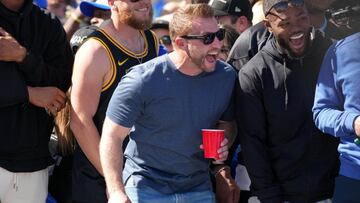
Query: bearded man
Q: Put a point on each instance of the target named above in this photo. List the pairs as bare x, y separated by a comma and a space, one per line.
100, 63
168, 102
287, 157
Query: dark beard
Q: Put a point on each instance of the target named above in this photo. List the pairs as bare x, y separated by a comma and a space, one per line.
285, 48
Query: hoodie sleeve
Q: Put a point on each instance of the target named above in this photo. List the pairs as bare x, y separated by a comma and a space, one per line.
337, 81
253, 135
53, 66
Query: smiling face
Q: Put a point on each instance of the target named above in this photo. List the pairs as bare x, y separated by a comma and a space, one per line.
136, 13
203, 57
291, 28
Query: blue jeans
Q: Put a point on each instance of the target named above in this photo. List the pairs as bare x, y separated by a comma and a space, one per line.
149, 195
346, 190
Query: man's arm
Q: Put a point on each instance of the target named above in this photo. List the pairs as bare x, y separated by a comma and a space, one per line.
226, 187
230, 130
51, 67
50, 98
251, 119
10, 49
329, 114
90, 70
111, 156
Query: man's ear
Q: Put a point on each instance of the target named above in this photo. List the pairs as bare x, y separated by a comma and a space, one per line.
242, 24
110, 2
267, 25
112, 5
180, 42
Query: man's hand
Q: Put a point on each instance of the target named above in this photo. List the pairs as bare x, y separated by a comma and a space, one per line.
226, 189
118, 197
50, 98
223, 151
357, 126
10, 49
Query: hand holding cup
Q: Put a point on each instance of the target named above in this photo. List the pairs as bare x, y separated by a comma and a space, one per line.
215, 144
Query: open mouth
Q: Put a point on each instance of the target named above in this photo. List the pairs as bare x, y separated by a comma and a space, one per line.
211, 57
297, 41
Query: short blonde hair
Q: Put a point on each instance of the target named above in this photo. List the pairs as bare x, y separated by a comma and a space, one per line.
181, 21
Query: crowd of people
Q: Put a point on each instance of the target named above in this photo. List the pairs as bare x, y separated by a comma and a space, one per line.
104, 101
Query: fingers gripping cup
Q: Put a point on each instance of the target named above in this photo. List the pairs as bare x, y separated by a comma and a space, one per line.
212, 139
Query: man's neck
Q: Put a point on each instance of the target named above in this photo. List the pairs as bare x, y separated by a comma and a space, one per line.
126, 30
126, 35
13, 5
183, 64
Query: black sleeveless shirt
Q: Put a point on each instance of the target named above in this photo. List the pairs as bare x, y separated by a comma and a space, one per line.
88, 184
122, 60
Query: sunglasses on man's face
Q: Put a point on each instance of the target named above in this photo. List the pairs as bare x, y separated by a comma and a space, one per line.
284, 5
209, 37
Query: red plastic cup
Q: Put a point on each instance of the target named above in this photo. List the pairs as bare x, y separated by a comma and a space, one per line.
212, 139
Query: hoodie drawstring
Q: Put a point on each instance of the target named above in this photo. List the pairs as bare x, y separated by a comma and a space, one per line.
15, 185
285, 86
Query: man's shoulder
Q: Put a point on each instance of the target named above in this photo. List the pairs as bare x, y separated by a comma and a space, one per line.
352, 40
225, 67
45, 17
92, 46
152, 66
256, 63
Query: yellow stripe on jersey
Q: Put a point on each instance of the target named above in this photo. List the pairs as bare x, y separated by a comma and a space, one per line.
108, 83
124, 49
156, 40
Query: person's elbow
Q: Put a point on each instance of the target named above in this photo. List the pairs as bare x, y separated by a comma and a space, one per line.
316, 115
77, 124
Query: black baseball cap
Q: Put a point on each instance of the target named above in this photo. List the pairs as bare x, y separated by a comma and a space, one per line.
268, 4
231, 7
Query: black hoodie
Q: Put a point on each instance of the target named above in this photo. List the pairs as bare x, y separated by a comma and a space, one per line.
25, 129
287, 157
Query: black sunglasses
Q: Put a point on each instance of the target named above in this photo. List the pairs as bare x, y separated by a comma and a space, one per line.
209, 37
165, 40
284, 5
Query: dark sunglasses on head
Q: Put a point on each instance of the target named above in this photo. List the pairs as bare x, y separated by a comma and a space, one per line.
284, 5
209, 37
165, 40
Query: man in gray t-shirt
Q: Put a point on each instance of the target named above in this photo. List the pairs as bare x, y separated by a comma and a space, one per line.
169, 100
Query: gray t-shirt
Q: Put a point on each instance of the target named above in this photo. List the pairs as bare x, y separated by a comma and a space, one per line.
168, 109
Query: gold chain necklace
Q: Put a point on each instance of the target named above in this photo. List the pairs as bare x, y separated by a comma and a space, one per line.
127, 45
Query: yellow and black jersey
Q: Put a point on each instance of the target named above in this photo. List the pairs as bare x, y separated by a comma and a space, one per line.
122, 59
